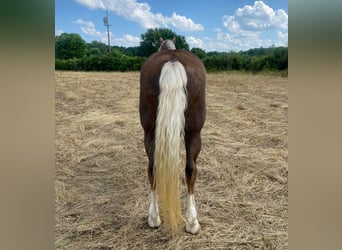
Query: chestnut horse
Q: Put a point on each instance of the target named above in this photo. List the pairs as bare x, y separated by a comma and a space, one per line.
172, 105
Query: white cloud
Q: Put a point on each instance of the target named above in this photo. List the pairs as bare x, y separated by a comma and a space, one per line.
256, 18
251, 27
183, 23
88, 28
91, 31
84, 23
282, 35
282, 38
141, 13
232, 42
58, 32
126, 41
282, 19
194, 42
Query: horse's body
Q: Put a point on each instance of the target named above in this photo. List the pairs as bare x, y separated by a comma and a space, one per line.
172, 104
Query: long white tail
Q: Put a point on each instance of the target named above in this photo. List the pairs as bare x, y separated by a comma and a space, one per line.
169, 129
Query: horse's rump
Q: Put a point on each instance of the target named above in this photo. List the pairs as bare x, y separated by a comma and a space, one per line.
196, 79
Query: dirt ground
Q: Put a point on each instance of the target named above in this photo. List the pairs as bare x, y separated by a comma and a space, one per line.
102, 189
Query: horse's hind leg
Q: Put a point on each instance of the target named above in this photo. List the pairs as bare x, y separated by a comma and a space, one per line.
153, 211
193, 147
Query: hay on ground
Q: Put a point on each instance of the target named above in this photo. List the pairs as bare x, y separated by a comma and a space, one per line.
102, 189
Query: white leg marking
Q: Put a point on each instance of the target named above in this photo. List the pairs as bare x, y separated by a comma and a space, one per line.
153, 212
192, 225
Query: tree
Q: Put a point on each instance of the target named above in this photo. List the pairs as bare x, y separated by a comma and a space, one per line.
100, 48
69, 46
199, 52
150, 40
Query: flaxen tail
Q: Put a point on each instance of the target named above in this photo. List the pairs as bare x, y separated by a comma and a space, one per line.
169, 129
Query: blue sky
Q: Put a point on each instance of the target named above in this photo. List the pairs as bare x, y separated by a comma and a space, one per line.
213, 25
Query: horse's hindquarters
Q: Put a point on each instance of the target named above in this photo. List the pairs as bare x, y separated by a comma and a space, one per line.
172, 103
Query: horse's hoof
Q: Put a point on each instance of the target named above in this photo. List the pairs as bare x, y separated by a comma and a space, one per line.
193, 228
154, 222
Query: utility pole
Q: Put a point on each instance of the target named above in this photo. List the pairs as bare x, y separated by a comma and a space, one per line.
106, 23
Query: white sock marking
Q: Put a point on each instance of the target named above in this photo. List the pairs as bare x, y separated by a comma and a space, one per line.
153, 212
192, 225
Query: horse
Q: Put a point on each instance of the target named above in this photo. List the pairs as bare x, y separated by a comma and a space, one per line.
172, 105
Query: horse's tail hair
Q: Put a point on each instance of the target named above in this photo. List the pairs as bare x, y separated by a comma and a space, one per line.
169, 130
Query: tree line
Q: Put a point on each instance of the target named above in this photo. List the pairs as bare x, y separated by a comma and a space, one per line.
73, 53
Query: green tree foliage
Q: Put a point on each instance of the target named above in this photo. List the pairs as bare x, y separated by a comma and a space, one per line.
150, 40
96, 48
199, 52
94, 56
69, 46
115, 61
253, 60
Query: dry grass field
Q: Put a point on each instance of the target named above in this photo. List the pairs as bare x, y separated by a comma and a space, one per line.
102, 189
